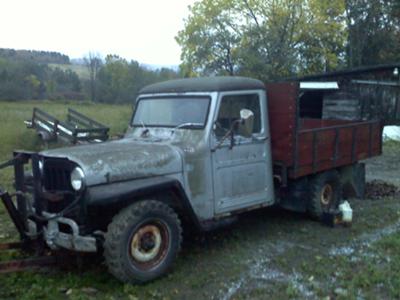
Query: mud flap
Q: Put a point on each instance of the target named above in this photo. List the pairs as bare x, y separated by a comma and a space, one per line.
353, 181
295, 196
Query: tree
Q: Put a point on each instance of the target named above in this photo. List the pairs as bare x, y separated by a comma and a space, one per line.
271, 40
114, 80
323, 37
63, 84
266, 39
93, 62
210, 39
43, 57
22, 79
119, 81
32, 84
374, 31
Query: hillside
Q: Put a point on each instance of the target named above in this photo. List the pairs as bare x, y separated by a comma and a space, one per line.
40, 75
45, 57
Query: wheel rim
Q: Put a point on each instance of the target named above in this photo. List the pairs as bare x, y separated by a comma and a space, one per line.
148, 245
326, 194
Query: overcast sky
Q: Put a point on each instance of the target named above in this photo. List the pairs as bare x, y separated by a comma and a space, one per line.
143, 30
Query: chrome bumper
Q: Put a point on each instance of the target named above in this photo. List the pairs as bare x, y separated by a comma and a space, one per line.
56, 239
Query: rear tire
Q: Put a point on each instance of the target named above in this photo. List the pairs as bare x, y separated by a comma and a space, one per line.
142, 241
325, 193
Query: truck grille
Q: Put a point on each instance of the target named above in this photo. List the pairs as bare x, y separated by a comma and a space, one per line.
57, 175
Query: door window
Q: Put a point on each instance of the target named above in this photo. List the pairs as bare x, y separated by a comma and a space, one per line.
229, 112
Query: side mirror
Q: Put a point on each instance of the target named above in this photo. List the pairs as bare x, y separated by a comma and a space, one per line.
243, 126
246, 124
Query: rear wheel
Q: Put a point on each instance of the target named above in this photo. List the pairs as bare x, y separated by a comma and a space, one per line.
325, 193
142, 241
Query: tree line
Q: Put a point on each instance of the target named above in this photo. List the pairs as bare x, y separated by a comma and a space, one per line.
271, 39
22, 79
47, 57
264, 39
38, 75
116, 80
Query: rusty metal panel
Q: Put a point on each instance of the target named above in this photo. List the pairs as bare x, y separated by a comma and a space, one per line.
282, 107
324, 148
308, 146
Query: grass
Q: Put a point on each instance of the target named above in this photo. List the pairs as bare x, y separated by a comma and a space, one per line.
391, 146
364, 274
240, 260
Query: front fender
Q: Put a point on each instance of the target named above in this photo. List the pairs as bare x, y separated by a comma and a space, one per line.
121, 194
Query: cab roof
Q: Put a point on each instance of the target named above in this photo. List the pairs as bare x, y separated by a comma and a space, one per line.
204, 84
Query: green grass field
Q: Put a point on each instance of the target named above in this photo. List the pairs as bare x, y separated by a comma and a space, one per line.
269, 253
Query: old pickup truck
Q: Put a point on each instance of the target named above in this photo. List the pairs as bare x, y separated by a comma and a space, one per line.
197, 153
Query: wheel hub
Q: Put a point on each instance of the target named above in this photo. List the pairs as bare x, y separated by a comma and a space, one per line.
326, 194
146, 243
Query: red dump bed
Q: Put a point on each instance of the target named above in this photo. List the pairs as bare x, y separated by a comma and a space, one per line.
303, 145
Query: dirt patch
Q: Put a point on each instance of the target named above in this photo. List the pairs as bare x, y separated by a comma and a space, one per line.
378, 189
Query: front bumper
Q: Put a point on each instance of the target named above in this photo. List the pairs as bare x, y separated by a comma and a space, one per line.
49, 225
55, 239
36, 223
30, 221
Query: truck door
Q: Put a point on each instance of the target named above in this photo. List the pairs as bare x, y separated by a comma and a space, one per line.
242, 173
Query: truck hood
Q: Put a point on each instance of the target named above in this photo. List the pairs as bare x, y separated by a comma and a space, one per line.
121, 160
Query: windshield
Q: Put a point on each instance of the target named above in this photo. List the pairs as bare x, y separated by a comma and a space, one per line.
171, 112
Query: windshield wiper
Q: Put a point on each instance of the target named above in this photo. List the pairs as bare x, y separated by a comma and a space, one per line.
144, 126
145, 131
187, 125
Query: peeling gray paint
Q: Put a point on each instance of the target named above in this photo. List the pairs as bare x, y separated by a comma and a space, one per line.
121, 160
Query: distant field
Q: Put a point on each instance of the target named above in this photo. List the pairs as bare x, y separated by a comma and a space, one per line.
81, 70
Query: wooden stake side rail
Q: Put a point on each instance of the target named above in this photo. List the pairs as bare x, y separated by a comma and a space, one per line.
324, 148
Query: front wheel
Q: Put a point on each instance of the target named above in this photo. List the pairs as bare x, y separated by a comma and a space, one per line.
142, 241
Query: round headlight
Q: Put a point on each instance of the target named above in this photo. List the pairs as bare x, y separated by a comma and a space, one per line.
77, 178
41, 165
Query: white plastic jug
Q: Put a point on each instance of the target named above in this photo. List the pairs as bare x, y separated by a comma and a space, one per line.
347, 212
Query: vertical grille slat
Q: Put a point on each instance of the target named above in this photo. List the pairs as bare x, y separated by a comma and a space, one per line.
57, 175
50, 176
62, 176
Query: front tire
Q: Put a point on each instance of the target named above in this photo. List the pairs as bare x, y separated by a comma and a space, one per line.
142, 241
